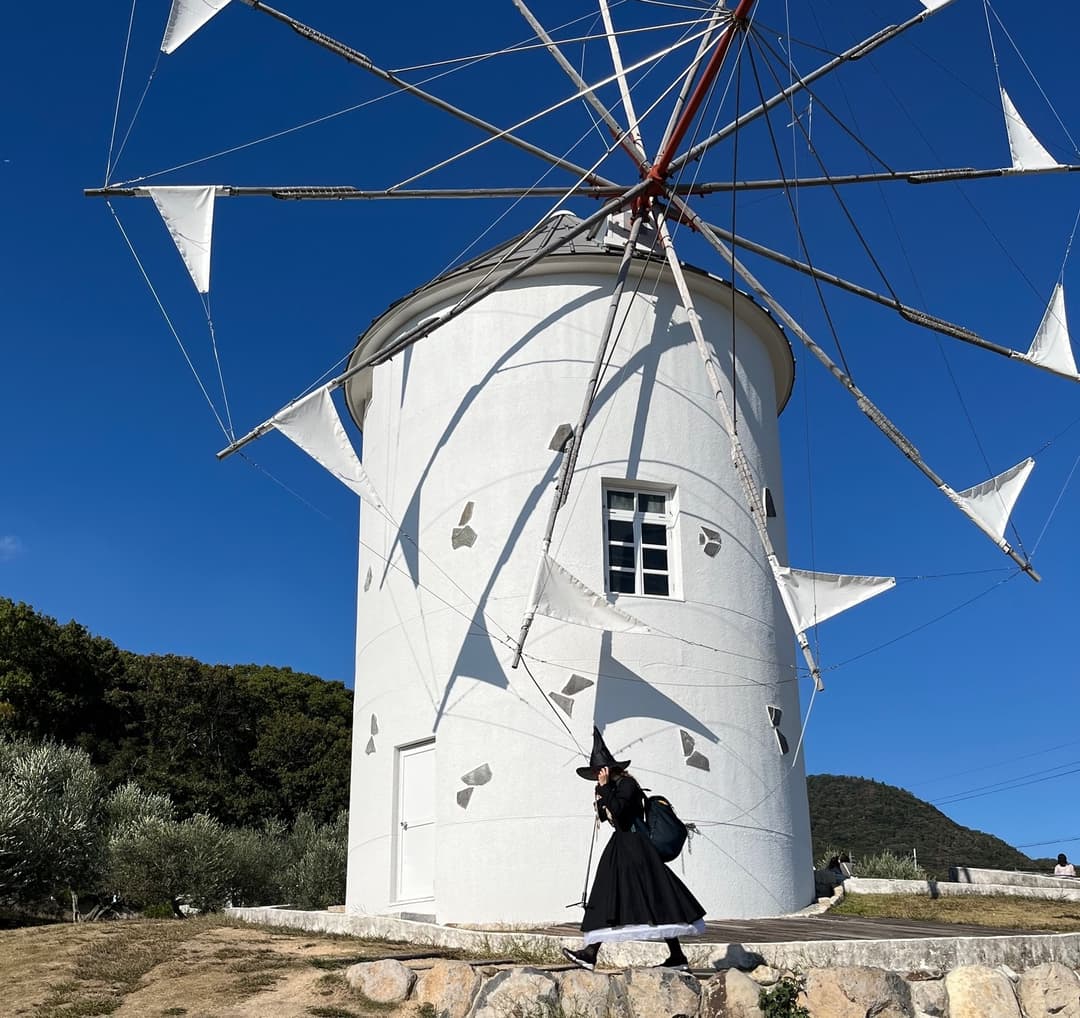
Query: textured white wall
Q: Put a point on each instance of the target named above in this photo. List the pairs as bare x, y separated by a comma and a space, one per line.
466, 416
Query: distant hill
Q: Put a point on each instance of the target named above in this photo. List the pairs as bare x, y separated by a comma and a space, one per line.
245, 743
865, 817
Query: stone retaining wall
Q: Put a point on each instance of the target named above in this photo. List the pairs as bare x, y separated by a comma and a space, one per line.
974, 875
1062, 891
457, 989
1025, 976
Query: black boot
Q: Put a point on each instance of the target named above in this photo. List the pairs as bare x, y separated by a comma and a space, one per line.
675, 959
586, 957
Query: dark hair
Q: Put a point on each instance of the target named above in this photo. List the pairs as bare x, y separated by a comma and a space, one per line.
1062, 860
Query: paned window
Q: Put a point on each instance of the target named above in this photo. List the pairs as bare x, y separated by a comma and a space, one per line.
637, 533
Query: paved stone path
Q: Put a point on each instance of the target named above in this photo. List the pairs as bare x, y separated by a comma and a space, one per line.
823, 927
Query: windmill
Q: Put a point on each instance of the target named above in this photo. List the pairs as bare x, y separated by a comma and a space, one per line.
582, 426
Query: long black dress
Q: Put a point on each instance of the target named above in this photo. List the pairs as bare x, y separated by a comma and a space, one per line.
635, 896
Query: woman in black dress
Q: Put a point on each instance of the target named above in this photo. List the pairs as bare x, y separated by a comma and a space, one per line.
634, 896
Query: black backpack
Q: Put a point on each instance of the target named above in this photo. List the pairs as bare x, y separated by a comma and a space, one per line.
663, 827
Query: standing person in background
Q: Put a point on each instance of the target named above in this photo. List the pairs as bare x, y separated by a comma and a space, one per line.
1064, 868
634, 896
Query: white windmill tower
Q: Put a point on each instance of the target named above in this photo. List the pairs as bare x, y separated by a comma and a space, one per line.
578, 431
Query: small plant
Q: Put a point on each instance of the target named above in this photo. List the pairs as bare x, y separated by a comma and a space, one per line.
890, 866
782, 1000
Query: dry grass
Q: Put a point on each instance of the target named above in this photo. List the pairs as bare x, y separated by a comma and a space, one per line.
198, 968
1033, 914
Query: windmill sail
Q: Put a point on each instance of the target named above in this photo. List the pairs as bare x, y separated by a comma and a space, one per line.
185, 18
1051, 347
188, 213
313, 424
1027, 151
561, 595
991, 503
811, 597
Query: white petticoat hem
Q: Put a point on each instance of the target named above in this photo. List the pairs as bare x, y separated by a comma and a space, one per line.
610, 934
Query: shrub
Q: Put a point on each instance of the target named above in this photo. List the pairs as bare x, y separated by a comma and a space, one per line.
257, 860
782, 1000
51, 829
316, 855
169, 860
888, 866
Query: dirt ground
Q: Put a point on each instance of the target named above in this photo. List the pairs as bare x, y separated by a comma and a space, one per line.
199, 968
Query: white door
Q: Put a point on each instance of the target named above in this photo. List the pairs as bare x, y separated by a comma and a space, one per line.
416, 823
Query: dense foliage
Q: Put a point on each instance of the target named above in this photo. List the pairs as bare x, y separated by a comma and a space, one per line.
242, 743
867, 818
63, 834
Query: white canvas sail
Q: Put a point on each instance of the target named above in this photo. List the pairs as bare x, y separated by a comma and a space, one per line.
991, 503
185, 18
1051, 347
313, 424
561, 595
188, 213
811, 597
935, 5
1027, 151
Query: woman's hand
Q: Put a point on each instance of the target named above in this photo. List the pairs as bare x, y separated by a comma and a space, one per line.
602, 777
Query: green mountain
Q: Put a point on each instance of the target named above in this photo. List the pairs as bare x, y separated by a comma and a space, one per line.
865, 817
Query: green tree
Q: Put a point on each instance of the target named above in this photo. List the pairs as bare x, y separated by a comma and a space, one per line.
53, 679
51, 821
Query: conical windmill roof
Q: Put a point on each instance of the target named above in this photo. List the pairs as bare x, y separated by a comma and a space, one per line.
604, 243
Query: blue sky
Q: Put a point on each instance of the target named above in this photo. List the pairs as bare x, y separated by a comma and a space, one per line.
114, 511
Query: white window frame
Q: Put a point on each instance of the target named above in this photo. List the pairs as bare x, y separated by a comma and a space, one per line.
636, 517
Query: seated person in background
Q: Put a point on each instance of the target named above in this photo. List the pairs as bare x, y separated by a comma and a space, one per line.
1064, 868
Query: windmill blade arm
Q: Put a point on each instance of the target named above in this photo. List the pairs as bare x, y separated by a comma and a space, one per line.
864, 403
896, 176
618, 132
301, 192
418, 332
913, 315
573, 447
855, 52
364, 62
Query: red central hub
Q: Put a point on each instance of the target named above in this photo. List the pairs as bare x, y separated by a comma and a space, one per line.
660, 169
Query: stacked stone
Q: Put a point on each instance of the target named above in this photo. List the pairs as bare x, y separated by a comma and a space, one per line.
457, 989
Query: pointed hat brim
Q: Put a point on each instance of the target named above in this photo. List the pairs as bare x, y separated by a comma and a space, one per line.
590, 773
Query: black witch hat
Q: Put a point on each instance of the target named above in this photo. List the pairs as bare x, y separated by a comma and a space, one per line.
599, 758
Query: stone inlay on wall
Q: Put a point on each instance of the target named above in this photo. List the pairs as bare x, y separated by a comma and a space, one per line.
560, 438
574, 685
463, 536
694, 758
477, 776
775, 716
367, 580
370, 747
709, 540
563, 701
698, 760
